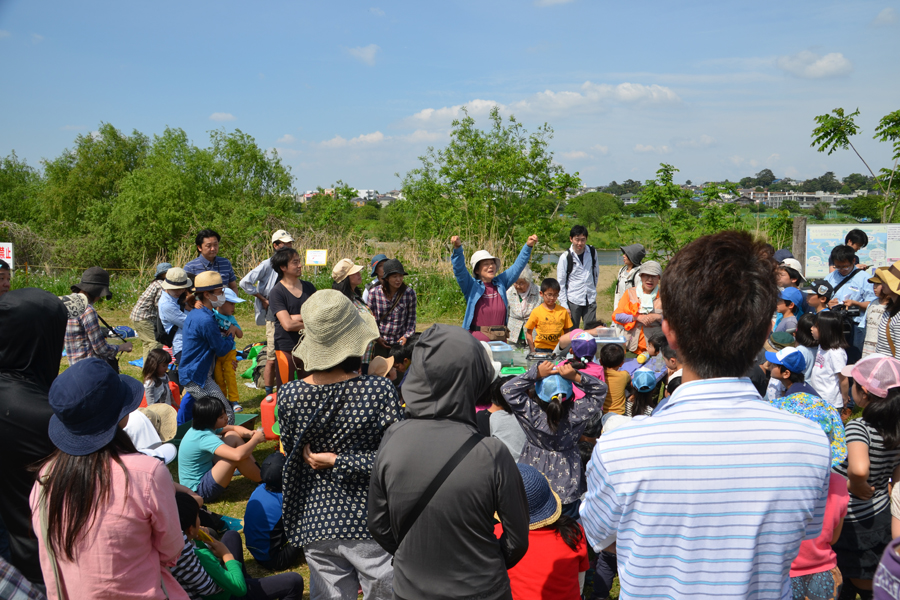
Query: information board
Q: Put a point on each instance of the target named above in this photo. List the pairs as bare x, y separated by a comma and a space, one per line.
883, 248
316, 258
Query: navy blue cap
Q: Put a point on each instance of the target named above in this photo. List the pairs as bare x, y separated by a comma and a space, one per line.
88, 401
374, 263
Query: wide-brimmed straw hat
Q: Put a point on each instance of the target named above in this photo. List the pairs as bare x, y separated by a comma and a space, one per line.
483, 255
164, 419
207, 280
544, 506
381, 366
333, 331
94, 281
176, 279
890, 277
88, 401
343, 269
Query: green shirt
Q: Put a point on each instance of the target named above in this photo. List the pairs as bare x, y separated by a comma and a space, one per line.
229, 577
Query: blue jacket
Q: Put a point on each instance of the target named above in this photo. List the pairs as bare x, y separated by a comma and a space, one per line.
473, 289
201, 342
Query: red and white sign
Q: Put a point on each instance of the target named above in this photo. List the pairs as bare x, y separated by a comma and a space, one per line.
6, 253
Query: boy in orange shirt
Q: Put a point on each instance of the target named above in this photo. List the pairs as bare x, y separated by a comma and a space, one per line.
550, 320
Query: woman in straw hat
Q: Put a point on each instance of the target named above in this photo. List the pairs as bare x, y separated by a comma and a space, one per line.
347, 278
889, 328
485, 287
203, 342
557, 556
332, 422
104, 514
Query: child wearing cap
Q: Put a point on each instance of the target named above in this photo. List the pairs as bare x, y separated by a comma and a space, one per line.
644, 397
873, 445
224, 372
612, 357
553, 424
788, 305
874, 312
818, 295
584, 347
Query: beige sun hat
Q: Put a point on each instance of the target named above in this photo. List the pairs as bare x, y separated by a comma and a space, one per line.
164, 419
207, 280
381, 366
343, 269
333, 331
176, 279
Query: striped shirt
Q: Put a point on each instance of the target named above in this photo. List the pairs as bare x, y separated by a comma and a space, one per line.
882, 346
191, 575
710, 497
219, 264
882, 463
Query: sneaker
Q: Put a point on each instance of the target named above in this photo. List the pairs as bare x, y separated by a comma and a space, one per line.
237, 407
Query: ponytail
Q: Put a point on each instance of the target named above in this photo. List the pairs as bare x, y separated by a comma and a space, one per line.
569, 530
556, 412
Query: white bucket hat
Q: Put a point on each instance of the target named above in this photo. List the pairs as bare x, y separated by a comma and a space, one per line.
333, 331
483, 255
176, 279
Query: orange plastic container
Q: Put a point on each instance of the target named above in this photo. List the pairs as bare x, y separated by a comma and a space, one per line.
267, 415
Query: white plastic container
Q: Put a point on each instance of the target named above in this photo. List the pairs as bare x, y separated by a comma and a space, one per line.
502, 352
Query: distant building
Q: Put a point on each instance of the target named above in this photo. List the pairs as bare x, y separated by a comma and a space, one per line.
367, 194
629, 199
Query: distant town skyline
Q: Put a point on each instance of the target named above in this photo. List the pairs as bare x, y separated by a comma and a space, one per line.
357, 91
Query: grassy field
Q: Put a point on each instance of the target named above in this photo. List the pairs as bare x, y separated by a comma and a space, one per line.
234, 501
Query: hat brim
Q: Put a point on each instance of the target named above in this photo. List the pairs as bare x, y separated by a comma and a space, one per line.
175, 286
84, 444
375, 264
547, 514
398, 272
168, 419
207, 288
93, 289
381, 366
323, 355
164, 452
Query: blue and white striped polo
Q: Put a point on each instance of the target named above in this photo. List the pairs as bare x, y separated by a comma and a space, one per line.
711, 496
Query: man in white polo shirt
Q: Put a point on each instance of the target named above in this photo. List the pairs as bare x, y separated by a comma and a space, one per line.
710, 496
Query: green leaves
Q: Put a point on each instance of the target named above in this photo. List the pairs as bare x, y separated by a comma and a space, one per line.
834, 130
888, 130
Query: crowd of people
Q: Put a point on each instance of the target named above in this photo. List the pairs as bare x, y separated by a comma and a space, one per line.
728, 430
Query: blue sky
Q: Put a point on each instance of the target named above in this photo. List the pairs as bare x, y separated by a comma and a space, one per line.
357, 91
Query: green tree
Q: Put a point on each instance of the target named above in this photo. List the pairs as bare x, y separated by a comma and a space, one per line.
19, 185
834, 132
329, 211
590, 208
765, 178
486, 183
862, 207
791, 206
858, 181
672, 228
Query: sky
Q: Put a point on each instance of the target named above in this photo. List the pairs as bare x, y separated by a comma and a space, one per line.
358, 91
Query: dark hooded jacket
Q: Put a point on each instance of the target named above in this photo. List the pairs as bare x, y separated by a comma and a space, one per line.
451, 550
33, 324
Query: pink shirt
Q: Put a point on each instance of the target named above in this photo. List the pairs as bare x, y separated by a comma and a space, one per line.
490, 310
816, 555
591, 368
133, 538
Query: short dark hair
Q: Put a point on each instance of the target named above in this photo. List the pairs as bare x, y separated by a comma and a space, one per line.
803, 334
857, 236
593, 324
207, 411
669, 352
280, 260
188, 510
718, 297
796, 376
842, 253
549, 284
403, 352
831, 330
658, 340
578, 230
496, 394
792, 274
206, 233
344, 287
612, 356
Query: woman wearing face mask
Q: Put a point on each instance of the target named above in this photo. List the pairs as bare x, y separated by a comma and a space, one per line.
202, 342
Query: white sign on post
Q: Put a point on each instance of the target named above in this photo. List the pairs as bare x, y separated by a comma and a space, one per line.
6, 253
316, 258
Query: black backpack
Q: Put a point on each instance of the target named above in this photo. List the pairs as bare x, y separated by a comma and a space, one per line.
570, 264
159, 331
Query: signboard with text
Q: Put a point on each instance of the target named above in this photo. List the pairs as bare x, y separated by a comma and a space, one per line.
6, 253
883, 248
316, 258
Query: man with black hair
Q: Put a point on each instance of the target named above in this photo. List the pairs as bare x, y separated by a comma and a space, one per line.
666, 487
208, 259
577, 273
856, 239
851, 288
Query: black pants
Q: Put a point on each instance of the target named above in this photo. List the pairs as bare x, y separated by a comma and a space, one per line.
23, 441
605, 571
287, 586
286, 558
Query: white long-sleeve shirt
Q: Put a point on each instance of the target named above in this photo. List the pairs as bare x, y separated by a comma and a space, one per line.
580, 289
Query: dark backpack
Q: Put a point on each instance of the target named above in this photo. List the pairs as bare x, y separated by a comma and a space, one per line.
570, 264
159, 332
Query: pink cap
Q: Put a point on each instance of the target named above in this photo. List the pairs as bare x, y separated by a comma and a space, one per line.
877, 373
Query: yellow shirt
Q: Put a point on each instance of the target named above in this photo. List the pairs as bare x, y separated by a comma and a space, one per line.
615, 399
549, 325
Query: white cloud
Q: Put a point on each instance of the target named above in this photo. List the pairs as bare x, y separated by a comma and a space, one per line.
4, 34
809, 65
736, 160
96, 135
376, 11
448, 113
220, 116
286, 139
550, 2
600, 149
575, 155
364, 54
655, 149
704, 141
886, 17
423, 135
73, 128
36, 38
366, 138
290, 153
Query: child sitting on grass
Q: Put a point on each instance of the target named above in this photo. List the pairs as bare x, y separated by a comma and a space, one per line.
550, 320
202, 575
206, 461
264, 519
157, 387
224, 372
612, 357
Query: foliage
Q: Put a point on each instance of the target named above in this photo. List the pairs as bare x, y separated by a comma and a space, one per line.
763, 179
862, 207
329, 210
834, 132
592, 207
486, 184
780, 229
669, 232
629, 186
791, 206
18, 185
827, 183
